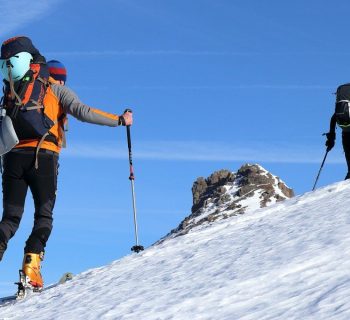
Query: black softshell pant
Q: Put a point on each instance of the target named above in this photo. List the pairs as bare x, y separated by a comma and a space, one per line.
19, 174
346, 146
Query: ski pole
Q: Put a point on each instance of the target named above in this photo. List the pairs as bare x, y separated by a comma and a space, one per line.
136, 248
319, 172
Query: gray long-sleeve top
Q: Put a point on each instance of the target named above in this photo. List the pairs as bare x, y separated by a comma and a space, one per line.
73, 106
70, 104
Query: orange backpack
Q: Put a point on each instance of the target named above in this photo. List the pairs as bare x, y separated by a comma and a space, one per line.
33, 108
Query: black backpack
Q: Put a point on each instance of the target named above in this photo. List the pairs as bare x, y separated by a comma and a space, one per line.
23, 99
26, 110
342, 106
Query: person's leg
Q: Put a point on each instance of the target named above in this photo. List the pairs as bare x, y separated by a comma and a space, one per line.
346, 147
43, 185
14, 188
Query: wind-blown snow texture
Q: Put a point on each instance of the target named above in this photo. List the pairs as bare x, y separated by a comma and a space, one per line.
288, 261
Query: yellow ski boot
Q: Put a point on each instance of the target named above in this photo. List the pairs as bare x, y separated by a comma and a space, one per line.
31, 269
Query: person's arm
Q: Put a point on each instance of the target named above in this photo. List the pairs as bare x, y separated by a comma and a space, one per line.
332, 124
73, 106
331, 134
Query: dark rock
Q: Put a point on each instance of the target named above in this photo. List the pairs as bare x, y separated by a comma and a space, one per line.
224, 194
210, 188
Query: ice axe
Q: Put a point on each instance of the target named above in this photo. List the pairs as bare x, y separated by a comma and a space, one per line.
137, 247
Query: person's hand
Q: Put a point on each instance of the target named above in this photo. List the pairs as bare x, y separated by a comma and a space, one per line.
330, 140
126, 119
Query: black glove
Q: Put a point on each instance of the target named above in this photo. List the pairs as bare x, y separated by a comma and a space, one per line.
330, 140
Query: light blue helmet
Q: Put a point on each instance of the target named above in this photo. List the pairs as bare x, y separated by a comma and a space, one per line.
19, 65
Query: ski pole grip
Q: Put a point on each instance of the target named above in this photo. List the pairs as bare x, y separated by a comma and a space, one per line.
129, 139
131, 177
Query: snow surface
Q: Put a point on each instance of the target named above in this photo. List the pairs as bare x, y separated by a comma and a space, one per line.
287, 261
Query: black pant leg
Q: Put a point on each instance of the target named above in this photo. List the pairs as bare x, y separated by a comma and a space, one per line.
346, 147
43, 185
14, 188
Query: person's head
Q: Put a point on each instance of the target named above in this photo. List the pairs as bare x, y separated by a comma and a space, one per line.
57, 71
16, 56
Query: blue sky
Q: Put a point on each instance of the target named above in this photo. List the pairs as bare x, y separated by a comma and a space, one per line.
213, 85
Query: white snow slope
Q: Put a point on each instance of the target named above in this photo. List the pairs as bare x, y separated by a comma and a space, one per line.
287, 261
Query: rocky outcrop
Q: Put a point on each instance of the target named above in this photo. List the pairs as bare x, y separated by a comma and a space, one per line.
225, 193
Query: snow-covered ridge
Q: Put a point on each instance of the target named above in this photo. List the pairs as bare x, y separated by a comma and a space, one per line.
224, 194
287, 261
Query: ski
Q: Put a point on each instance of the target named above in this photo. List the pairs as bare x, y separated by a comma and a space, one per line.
23, 288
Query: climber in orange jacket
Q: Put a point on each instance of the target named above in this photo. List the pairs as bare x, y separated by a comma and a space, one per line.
38, 105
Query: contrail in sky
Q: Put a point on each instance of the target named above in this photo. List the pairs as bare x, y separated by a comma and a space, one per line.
15, 14
202, 151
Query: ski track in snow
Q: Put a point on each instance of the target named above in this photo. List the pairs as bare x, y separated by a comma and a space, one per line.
287, 261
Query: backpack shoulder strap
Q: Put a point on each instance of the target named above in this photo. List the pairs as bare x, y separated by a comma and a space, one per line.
36, 91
